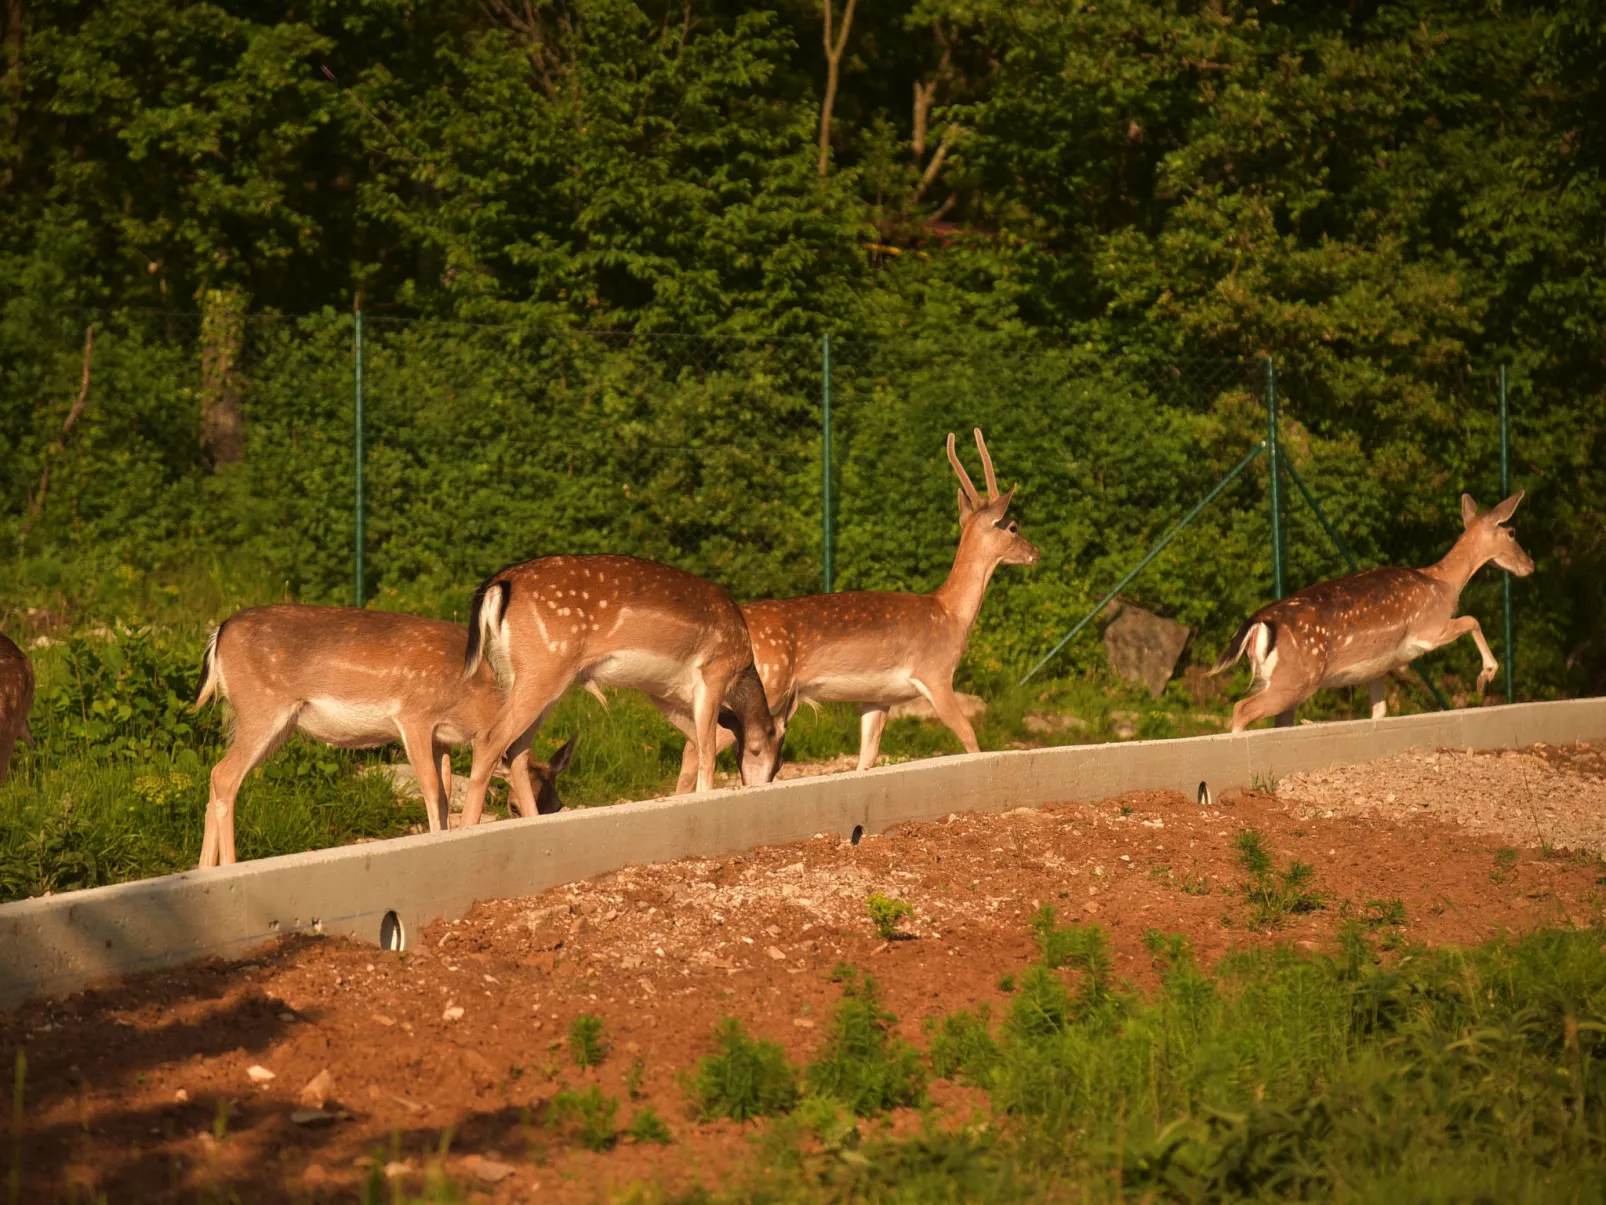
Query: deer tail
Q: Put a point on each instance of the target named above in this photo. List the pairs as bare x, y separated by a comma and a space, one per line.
485, 616
1235, 647
211, 672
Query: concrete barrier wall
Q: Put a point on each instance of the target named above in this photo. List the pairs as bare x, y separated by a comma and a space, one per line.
59, 944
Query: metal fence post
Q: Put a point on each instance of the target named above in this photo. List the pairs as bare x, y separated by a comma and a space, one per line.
359, 502
1273, 462
827, 519
1505, 584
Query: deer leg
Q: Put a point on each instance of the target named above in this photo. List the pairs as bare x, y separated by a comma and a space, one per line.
946, 705
872, 719
528, 702
8, 744
1379, 698
683, 722
418, 742
443, 758
252, 745
1274, 700
1457, 628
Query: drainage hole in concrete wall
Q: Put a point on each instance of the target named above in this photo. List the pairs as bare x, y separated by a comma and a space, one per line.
1204, 794
858, 834
391, 934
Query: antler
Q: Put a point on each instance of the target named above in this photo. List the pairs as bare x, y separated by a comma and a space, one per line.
987, 466
964, 477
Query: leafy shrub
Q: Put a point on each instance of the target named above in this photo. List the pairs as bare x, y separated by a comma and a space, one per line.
746, 1078
962, 1045
646, 1126
586, 1116
885, 913
861, 1064
586, 1043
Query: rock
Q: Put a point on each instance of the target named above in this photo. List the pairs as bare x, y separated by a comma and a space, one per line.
1124, 724
1142, 647
318, 1090
776, 954
489, 1171
454, 1012
971, 705
260, 1074
312, 1117
181, 1096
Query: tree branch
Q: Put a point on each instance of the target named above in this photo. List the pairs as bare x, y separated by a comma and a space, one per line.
833, 70
60, 446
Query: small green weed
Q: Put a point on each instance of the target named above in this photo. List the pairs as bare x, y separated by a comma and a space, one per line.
1272, 895
1381, 913
1505, 865
586, 1043
1006, 981
586, 1116
861, 1064
885, 913
745, 1078
635, 1073
646, 1126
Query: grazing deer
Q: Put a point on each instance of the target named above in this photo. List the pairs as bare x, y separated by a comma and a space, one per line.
1358, 628
620, 621
878, 648
355, 679
16, 697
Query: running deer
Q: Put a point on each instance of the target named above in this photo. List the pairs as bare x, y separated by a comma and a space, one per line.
1358, 628
356, 679
878, 648
619, 621
16, 697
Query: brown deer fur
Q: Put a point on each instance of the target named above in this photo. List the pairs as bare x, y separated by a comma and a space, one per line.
357, 680
1360, 627
880, 648
16, 697
620, 621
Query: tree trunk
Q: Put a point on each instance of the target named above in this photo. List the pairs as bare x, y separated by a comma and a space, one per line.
222, 333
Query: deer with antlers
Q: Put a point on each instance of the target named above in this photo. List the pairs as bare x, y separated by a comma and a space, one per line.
1358, 628
16, 697
621, 621
880, 648
357, 680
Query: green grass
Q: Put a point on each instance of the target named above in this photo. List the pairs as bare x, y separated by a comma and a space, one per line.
1434, 1076
861, 1063
1273, 895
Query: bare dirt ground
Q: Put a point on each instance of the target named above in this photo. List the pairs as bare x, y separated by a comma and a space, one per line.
144, 1091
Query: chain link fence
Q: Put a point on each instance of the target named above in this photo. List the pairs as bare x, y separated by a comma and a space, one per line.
340, 458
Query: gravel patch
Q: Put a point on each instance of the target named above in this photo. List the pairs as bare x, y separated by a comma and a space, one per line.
1539, 796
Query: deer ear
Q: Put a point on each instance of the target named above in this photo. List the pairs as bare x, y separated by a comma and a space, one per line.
965, 508
560, 759
1503, 512
998, 506
1469, 510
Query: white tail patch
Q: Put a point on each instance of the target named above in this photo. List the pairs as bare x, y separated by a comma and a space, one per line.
1262, 657
212, 684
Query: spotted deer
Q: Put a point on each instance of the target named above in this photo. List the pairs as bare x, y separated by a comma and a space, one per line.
1358, 628
357, 680
620, 621
16, 697
878, 648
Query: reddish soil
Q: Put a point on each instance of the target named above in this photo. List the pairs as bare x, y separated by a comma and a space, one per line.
126, 1084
